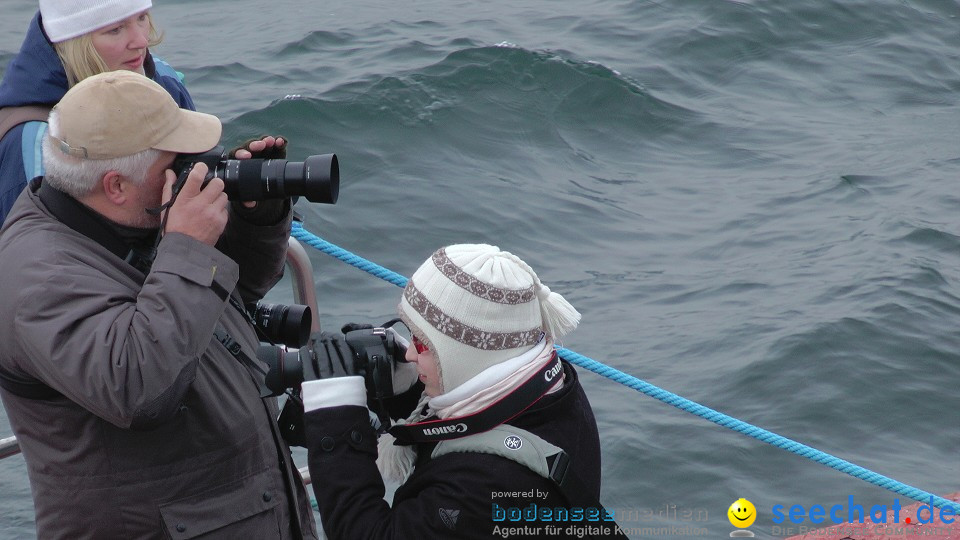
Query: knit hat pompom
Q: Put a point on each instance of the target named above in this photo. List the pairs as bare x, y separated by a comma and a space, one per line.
475, 306
559, 317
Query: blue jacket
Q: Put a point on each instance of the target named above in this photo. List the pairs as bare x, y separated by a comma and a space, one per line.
36, 77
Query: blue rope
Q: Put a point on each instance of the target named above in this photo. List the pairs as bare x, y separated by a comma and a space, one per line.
311, 239
665, 396
758, 433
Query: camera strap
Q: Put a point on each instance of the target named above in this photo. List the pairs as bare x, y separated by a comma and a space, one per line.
498, 412
234, 348
11, 117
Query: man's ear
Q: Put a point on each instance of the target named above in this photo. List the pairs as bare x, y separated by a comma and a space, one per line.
115, 187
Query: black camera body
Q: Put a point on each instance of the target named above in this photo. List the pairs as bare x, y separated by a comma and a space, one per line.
374, 351
373, 354
316, 178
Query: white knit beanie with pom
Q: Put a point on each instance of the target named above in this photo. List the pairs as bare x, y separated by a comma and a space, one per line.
66, 19
475, 306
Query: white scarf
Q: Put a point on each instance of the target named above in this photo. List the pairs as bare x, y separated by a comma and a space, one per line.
396, 462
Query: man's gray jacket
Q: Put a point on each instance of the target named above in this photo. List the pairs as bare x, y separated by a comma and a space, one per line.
158, 431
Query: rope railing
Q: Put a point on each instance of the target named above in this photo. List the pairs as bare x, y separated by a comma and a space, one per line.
660, 394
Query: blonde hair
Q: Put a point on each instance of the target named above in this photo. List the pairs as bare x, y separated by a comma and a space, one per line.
80, 58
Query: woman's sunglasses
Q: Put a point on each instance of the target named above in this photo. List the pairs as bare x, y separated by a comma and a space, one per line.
421, 348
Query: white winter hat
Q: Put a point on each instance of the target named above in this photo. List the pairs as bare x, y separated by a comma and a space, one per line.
65, 19
475, 306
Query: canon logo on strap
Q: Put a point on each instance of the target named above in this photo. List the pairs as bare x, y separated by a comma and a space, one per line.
552, 373
458, 428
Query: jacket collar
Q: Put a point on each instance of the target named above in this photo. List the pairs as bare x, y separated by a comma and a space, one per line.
117, 239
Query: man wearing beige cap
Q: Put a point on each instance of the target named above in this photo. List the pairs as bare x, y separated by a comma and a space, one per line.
126, 369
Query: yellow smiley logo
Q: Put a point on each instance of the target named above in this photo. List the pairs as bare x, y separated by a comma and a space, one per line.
742, 513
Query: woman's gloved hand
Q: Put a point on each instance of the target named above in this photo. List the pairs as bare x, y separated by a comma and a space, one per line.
331, 357
375, 353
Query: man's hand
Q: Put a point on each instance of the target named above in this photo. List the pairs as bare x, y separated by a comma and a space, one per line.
269, 146
199, 213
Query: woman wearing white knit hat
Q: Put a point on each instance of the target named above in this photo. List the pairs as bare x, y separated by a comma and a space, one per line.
68, 41
502, 436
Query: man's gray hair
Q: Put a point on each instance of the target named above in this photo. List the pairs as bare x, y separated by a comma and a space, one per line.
80, 177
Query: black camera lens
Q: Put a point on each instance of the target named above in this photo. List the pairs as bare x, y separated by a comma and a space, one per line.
281, 323
284, 368
316, 179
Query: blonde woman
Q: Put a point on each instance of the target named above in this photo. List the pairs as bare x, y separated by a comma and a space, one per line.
68, 41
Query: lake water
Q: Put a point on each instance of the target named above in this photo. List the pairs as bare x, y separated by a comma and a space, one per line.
753, 204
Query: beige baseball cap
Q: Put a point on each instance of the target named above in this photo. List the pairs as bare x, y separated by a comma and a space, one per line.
121, 113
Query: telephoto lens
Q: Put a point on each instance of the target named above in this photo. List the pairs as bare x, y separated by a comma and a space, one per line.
316, 178
281, 323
